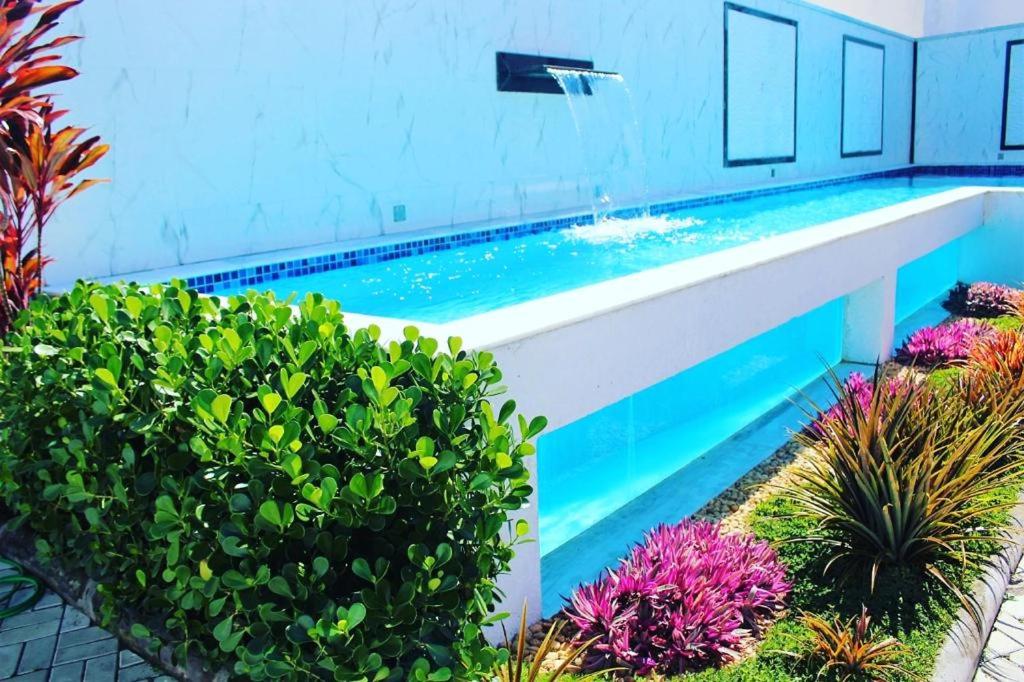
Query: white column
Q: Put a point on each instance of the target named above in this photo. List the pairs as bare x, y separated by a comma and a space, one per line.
870, 321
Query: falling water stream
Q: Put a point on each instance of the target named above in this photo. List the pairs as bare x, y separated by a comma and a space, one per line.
608, 130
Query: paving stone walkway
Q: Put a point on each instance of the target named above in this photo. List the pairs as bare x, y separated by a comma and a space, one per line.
1003, 658
56, 642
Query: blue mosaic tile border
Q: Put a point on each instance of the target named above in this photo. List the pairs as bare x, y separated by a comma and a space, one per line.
259, 274
979, 171
298, 267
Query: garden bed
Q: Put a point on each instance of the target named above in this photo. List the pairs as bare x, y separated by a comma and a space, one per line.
750, 506
923, 623
169, 529
924, 616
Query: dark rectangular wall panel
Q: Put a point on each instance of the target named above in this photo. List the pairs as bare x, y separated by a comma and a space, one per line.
1013, 96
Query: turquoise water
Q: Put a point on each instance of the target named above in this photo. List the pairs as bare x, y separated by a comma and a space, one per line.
922, 280
448, 285
661, 454
630, 446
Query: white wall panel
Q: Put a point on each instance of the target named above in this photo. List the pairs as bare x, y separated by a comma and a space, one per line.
960, 93
954, 16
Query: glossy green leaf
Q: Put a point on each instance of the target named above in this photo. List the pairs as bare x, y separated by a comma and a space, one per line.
221, 407
270, 511
270, 402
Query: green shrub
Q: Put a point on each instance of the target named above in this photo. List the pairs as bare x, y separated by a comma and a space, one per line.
293, 499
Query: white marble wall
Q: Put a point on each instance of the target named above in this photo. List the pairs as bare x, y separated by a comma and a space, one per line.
904, 16
960, 98
243, 126
952, 16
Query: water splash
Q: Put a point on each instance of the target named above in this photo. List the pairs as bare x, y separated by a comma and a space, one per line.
627, 231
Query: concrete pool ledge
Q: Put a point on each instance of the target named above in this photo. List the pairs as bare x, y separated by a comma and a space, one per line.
652, 316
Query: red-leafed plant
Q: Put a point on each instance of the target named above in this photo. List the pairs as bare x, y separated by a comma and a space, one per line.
50, 162
39, 164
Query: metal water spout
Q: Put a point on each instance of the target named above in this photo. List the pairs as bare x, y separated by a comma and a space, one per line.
533, 73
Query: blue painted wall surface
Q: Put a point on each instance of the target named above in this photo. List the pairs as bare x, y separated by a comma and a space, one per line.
960, 98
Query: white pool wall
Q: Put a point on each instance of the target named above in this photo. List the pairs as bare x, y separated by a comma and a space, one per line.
995, 252
956, 16
931, 17
245, 127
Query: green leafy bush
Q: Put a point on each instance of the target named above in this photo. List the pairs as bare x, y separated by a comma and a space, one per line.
294, 499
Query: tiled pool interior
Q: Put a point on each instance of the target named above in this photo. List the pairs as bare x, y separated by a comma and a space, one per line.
446, 278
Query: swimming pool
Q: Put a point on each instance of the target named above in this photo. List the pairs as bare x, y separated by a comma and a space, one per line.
650, 341
447, 285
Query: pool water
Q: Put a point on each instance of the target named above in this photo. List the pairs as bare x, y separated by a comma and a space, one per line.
448, 285
627, 448
660, 454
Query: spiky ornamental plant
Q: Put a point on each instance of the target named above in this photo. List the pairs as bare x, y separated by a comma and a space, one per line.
685, 599
1002, 353
993, 379
857, 388
904, 483
849, 650
513, 666
27, 63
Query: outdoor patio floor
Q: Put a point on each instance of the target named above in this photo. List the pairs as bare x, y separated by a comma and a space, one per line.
56, 642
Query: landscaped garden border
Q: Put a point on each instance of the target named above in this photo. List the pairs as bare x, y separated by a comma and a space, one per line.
768, 519
961, 650
749, 505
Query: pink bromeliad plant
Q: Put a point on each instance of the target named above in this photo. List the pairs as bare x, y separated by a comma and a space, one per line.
856, 387
982, 299
941, 345
687, 598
